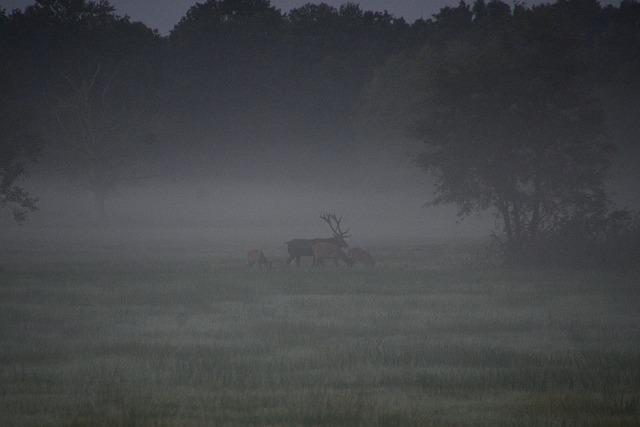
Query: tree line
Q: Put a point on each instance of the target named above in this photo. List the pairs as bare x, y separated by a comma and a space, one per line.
521, 108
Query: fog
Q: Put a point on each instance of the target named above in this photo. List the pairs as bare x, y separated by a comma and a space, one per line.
245, 123
264, 202
277, 213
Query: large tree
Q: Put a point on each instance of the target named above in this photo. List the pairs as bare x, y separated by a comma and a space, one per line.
19, 146
508, 122
245, 78
223, 53
96, 75
20, 142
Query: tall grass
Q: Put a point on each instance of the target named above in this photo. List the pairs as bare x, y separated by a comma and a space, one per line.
207, 342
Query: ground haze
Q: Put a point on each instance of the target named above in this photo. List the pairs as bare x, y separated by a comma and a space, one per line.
431, 336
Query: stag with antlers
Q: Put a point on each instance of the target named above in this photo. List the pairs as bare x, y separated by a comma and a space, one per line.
298, 248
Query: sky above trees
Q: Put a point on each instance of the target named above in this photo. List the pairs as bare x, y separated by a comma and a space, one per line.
164, 14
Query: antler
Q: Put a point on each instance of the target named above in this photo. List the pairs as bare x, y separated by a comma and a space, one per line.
331, 219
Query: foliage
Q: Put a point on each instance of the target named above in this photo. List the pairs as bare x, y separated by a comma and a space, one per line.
601, 240
20, 141
19, 146
515, 103
509, 120
95, 71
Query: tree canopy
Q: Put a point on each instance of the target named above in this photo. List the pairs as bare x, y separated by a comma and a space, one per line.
516, 105
507, 106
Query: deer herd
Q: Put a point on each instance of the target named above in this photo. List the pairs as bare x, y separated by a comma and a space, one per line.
320, 249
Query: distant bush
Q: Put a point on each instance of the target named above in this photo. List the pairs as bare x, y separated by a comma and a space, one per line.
602, 240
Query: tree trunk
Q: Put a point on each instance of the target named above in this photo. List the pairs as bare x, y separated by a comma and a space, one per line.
504, 211
517, 221
99, 204
534, 225
511, 246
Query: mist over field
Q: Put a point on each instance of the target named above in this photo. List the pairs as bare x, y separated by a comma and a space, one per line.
271, 213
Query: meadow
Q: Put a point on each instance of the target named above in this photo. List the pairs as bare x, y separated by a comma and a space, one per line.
425, 338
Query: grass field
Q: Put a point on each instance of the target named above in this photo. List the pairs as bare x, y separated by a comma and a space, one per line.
203, 341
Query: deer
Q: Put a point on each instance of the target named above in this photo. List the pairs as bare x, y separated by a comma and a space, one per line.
256, 257
298, 248
325, 250
359, 255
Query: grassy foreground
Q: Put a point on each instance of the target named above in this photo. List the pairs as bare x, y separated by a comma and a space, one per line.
206, 342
